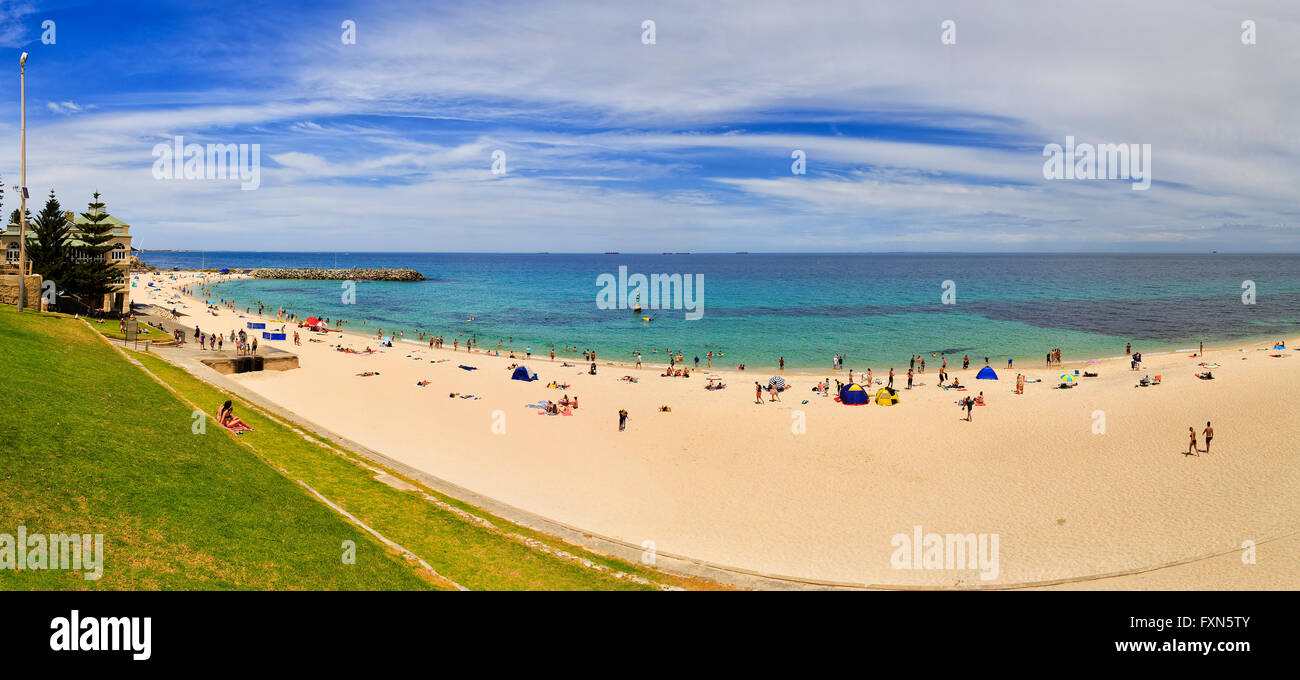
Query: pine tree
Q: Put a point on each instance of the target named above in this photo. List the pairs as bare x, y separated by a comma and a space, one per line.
95, 276
49, 244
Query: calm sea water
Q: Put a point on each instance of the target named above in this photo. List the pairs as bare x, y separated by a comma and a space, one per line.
878, 309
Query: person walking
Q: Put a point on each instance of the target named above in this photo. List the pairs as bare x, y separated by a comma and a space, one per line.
909, 378
1191, 445
970, 407
1209, 434
622, 419
891, 378
758, 393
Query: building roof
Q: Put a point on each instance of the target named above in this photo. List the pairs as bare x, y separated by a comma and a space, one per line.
79, 220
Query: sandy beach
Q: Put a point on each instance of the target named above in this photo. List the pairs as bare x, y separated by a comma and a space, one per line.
1074, 484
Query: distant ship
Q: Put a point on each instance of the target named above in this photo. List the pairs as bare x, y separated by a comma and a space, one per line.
611, 252
742, 252
683, 253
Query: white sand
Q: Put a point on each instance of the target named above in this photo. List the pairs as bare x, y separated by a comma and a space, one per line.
725, 480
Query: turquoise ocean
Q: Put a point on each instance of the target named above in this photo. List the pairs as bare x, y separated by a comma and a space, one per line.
877, 309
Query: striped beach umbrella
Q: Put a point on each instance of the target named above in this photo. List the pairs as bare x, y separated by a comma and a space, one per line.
1067, 377
776, 382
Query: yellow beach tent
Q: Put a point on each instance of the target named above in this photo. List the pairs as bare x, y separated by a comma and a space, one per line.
886, 397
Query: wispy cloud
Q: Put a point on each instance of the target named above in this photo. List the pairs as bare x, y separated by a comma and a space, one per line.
614, 144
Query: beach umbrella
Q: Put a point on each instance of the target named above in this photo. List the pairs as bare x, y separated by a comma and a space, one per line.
714, 377
776, 382
1067, 377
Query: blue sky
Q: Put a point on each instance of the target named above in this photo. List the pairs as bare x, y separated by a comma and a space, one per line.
612, 144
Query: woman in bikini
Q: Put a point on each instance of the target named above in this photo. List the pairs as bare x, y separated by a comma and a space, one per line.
226, 416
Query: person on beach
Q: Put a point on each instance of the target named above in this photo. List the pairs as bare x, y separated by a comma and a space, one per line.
254, 345
697, 362
622, 419
869, 378
552, 354
965, 362
1128, 348
909, 378
782, 363
758, 393
1209, 434
891, 378
638, 360
969, 405
1191, 445
1009, 362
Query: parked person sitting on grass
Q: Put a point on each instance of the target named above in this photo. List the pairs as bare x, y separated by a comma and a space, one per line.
226, 416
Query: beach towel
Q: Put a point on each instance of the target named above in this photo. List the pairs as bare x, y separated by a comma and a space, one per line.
469, 368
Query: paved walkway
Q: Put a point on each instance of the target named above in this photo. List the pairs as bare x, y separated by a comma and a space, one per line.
190, 351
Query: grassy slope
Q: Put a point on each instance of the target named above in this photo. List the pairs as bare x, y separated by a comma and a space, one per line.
90, 444
474, 556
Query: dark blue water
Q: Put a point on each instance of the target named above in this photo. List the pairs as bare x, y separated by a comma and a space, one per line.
877, 309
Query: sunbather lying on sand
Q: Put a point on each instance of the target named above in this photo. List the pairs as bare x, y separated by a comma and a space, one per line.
368, 374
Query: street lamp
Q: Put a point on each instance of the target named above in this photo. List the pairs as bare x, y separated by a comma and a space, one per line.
22, 192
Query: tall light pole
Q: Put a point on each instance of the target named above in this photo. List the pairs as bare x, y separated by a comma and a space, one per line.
22, 191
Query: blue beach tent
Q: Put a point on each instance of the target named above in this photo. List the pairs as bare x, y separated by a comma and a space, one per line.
986, 373
852, 394
522, 373
256, 325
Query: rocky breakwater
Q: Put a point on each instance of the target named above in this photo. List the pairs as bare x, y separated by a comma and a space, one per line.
381, 274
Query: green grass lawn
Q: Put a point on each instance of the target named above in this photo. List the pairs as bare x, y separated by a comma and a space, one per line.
119, 419
474, 556
109, 328
89, 444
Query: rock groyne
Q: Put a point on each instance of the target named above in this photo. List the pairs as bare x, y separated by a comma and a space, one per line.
313, 274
